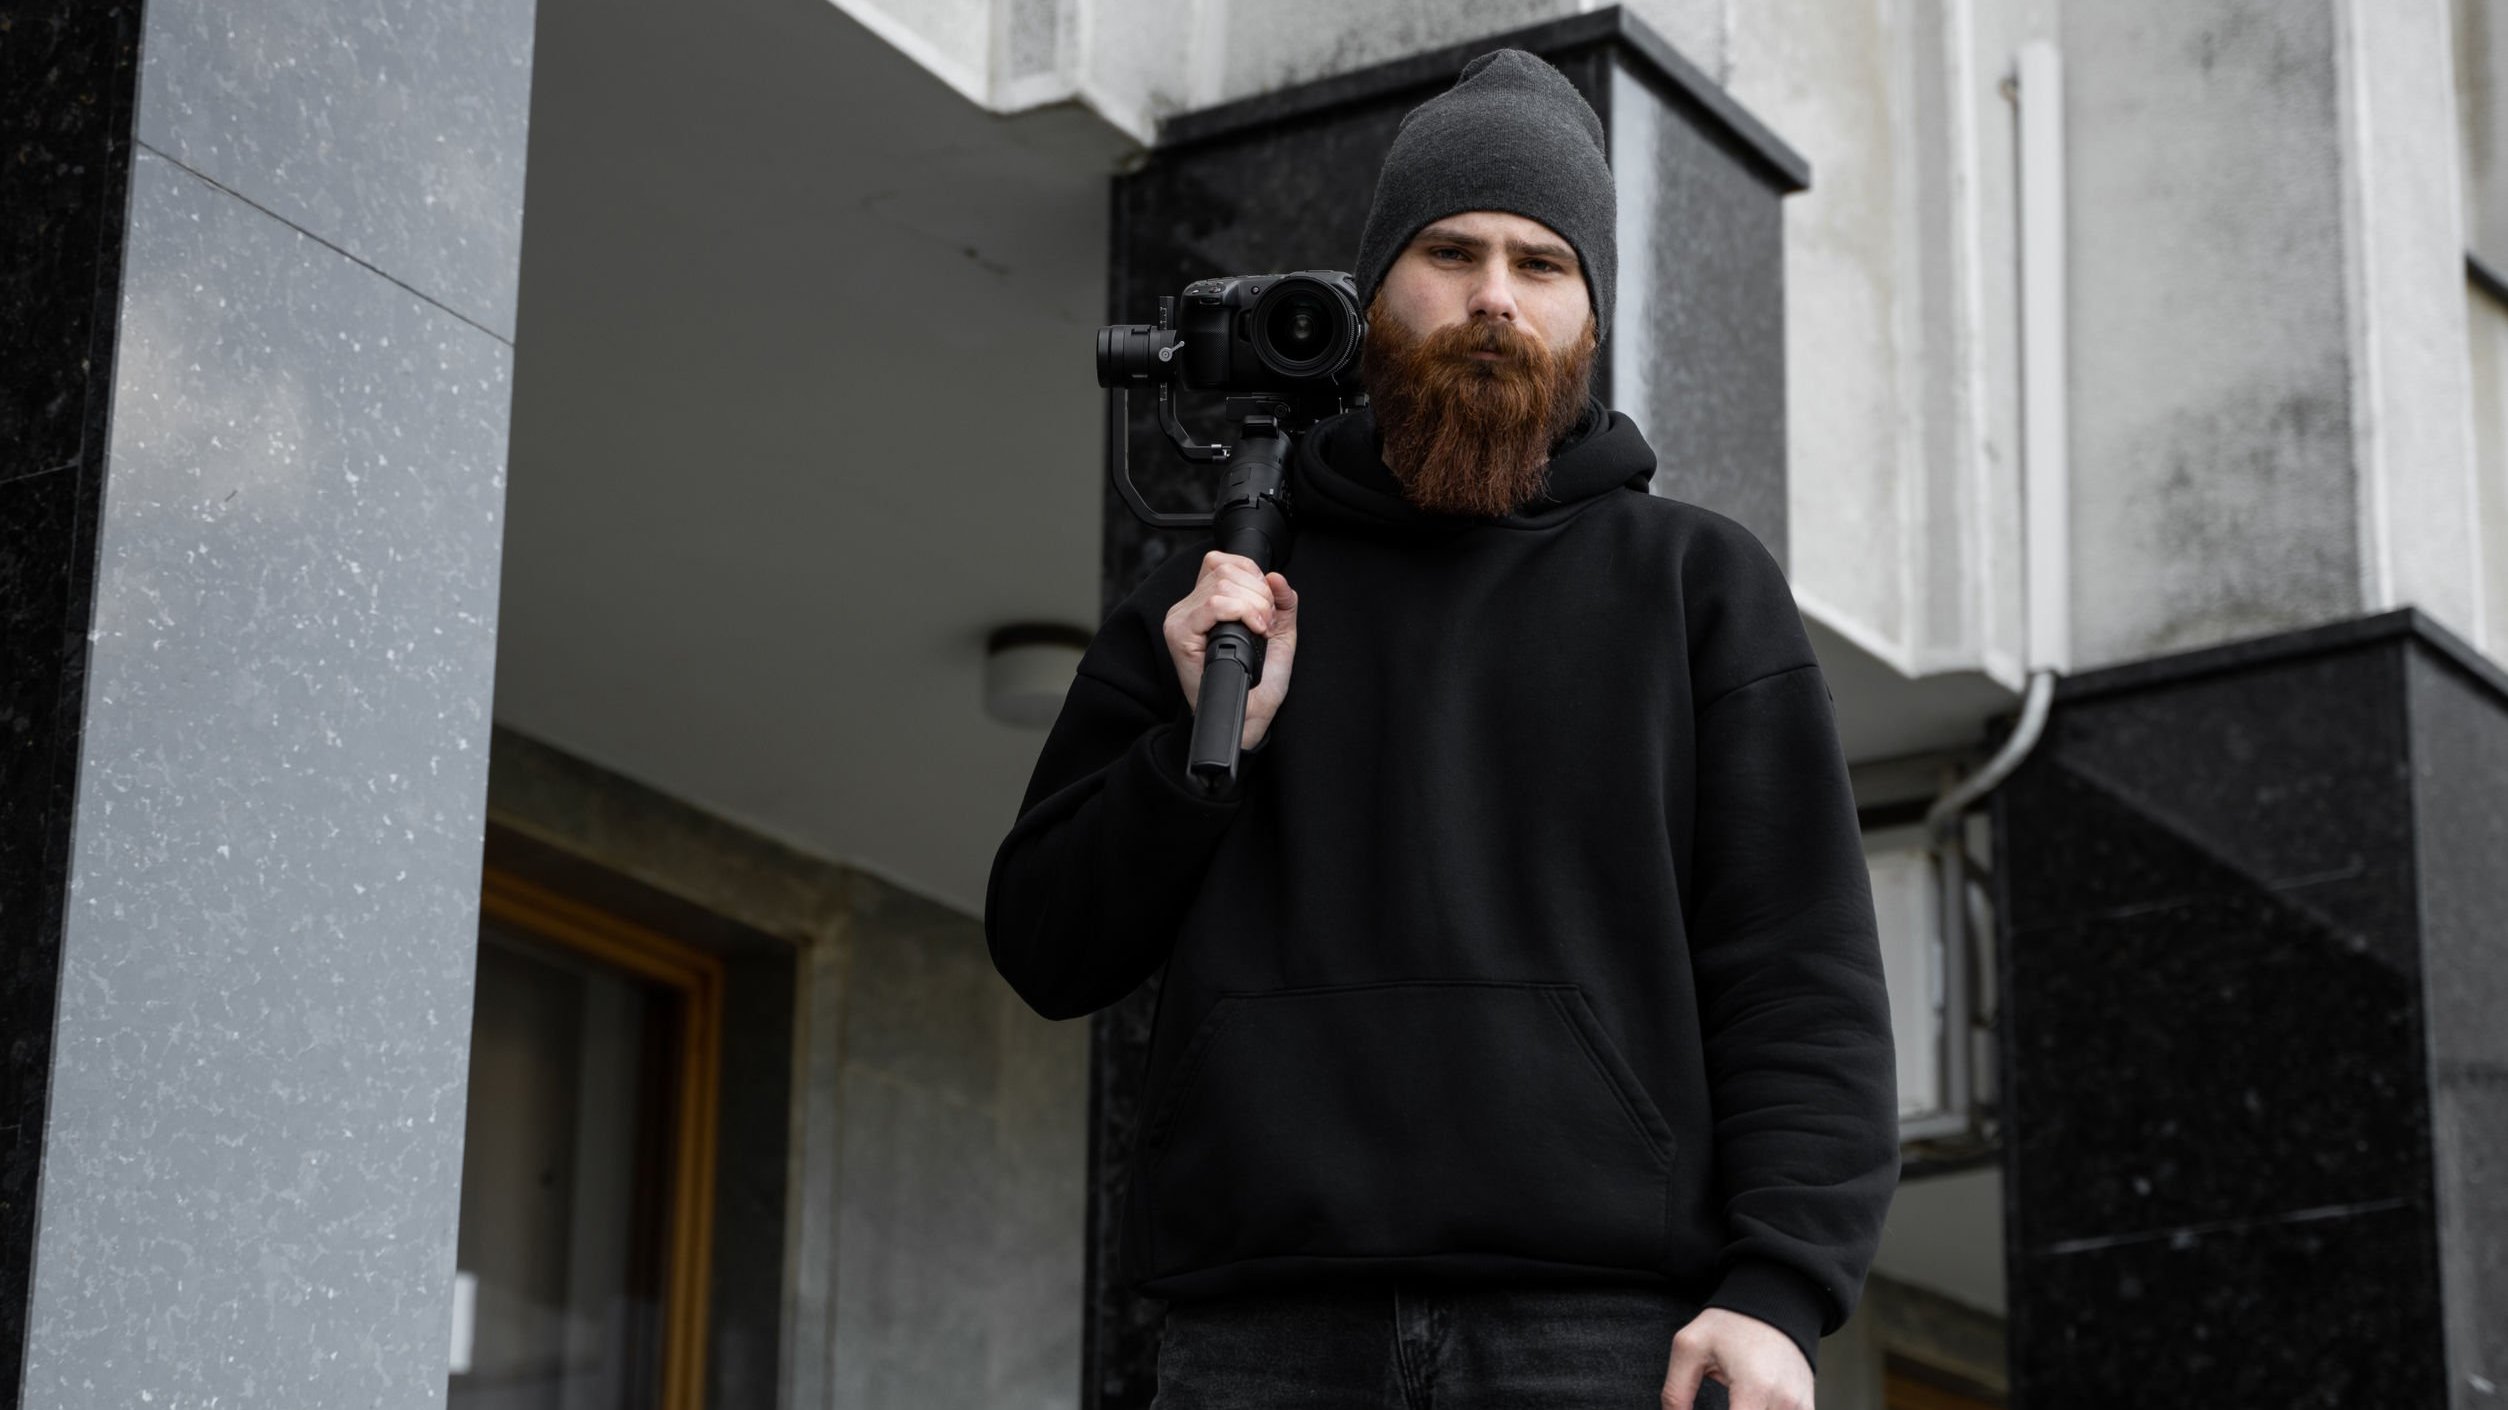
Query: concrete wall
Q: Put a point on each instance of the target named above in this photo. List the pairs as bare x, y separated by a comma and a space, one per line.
2269, 400
962, 1197
2405, 237
2486, 332
2215, 487
2480, 48
1903, 472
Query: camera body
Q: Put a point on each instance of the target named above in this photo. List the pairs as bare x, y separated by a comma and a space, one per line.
1271, 333
1293, 335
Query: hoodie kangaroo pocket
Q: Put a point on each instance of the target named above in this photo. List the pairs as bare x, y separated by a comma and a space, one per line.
1400, 1119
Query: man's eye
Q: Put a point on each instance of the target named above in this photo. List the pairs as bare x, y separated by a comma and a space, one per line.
1546, 265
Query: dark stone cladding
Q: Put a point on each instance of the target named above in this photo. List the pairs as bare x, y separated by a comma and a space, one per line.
69, 74
2252, 1069
1267, 183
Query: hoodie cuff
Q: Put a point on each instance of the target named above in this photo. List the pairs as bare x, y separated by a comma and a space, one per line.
1171, 748
1779, 1296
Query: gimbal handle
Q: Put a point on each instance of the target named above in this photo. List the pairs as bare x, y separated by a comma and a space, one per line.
1250, 519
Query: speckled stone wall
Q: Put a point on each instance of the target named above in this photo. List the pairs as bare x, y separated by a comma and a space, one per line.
2251, 902
1696, 356
268, 880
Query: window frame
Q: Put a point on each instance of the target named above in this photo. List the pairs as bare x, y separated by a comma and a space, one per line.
510, 901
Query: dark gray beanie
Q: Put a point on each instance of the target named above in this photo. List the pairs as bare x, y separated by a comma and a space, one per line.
1512, 135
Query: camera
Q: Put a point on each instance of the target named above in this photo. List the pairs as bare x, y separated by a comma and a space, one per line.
1283, 349
1292, 335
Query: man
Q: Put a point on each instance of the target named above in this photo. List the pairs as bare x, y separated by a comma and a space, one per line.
1522, 1040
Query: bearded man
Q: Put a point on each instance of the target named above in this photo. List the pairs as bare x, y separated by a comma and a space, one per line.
1521, 1040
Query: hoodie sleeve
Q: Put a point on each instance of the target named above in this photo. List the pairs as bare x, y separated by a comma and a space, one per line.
1112, 838
1786, 950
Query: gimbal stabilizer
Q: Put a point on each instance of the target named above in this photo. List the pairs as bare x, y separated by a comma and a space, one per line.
1284, 348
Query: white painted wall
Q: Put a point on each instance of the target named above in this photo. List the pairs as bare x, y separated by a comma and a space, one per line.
2487, 342
2270, 412
1135, 61
2480, 51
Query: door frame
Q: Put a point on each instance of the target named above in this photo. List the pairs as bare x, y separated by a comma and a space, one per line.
509, 900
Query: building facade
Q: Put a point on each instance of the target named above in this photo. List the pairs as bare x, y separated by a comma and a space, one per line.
506, 516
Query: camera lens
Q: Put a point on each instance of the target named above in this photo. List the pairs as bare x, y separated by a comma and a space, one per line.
1304, 327
1298, 328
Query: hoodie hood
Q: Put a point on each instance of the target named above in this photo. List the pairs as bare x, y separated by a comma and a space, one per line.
1338, 476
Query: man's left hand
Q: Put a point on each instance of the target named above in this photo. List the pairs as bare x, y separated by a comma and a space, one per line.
1759, 1365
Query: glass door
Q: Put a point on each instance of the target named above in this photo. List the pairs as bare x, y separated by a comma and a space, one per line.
587, 1170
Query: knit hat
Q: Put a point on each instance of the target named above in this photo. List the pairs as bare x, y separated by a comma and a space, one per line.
1512, 135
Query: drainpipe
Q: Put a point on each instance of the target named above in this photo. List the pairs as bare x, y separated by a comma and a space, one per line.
2038, 92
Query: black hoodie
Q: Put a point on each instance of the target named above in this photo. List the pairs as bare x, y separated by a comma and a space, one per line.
1536, 942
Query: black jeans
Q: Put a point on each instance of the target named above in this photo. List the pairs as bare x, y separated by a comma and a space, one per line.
1416, 1346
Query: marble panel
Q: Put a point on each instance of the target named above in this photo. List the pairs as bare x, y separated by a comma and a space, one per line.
392, 129
1698, 336
2298, 1315
2460, 802
252, 1161
2283, 777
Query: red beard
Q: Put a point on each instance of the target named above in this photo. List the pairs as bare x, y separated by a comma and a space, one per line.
1469, 435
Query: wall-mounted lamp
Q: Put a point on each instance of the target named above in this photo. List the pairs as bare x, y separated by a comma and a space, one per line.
1027, 670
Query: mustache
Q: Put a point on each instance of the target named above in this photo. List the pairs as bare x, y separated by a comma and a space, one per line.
1517, 352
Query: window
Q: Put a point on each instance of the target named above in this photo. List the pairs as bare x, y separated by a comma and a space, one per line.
588, 1163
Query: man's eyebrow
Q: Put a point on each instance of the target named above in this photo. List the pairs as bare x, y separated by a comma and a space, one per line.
1445, 235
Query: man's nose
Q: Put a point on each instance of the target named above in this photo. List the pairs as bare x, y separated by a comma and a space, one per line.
1493, 296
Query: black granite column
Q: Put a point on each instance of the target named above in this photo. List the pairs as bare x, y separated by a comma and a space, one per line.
69, 73
2255, 1066
1696, 356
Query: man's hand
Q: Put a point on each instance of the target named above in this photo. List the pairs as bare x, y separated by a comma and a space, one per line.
1759, 1365
1232, 589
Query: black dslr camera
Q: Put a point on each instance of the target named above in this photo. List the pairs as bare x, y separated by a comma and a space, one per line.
1286, 333
1284, 350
